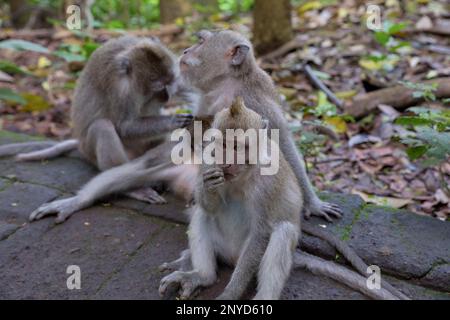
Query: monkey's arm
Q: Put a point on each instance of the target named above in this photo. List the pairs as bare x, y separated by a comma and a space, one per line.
153, 125
313, 204
247, 265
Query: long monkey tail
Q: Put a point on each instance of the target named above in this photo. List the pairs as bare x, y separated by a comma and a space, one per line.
341, 274
349, 254
45, 149
51, 152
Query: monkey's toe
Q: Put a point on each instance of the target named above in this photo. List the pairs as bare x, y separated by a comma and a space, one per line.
148, 195
324, 210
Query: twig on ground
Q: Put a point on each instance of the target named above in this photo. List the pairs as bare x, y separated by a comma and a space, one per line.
320, 85
397, 97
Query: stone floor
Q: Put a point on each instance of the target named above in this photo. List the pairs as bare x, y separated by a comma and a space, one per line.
119, 244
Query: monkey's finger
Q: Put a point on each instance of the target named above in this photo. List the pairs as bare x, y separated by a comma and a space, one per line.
333, 210
187, 289
215, 173
41, 212
62, 216
168, 285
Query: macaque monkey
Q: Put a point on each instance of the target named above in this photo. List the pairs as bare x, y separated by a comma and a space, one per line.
250, 220
220, 67
242, 217
116, 107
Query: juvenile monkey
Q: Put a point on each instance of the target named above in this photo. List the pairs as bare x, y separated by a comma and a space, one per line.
116, 107
250, 220
254, 226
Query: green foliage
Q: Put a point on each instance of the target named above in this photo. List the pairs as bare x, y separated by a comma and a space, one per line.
113, 14
323, 107
68, 52
12, 68
22, 45
386, 38
7, 94
422, 90
430, 137
235, 6
75, 52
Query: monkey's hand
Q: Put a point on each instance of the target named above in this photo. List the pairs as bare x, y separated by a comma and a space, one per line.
323, 209
62, 208
185, 282
213, 178
182, 120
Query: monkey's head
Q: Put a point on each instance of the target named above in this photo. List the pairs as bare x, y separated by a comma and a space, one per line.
216, 56
238, 116
149, 69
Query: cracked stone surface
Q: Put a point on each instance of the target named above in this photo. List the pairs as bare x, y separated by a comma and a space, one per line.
119, 243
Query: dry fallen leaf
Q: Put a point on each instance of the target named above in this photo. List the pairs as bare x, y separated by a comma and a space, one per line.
382, 201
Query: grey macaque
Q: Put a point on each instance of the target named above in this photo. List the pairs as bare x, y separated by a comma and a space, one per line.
117, 105
254, 226
250, 220
220, 67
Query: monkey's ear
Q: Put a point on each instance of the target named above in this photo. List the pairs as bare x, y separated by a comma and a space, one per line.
124, 65
238, 54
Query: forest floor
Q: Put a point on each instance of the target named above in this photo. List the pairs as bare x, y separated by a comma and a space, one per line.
119, 245
360, 155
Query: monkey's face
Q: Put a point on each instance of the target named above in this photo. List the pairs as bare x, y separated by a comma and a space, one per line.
239, 148
215, 57
152, 71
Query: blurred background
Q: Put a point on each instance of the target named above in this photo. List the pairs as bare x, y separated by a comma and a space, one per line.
365, 85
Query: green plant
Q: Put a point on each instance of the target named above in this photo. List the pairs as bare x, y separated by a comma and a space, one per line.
422, 90
430, 135
386, 37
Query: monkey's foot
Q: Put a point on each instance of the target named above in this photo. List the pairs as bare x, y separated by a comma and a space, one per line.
323, 209
185, 282
183, 263
147, 195
62, 208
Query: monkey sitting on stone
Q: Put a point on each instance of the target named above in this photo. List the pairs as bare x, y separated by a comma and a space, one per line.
242, 217
116, 107
220, 67
250, 220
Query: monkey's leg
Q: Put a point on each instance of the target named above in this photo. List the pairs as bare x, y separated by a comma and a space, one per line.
110, 152
203, 259
115, 180
276, 263
247, 264
313, 205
